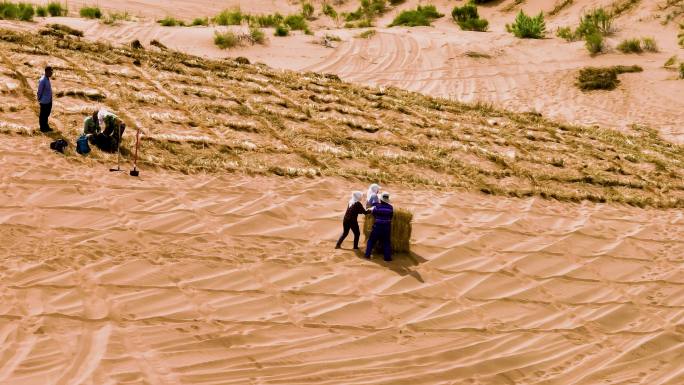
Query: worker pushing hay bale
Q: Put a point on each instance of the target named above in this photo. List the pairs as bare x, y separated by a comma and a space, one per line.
400, 233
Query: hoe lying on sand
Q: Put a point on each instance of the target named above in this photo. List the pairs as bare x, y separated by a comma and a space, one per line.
401, 230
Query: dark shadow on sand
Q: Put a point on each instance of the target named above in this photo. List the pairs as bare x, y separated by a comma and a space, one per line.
402, 263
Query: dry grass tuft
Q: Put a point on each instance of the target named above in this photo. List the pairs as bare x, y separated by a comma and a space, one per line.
217, 116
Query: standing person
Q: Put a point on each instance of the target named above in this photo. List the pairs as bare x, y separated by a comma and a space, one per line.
372, 195
382, 228
350, 222
45, 100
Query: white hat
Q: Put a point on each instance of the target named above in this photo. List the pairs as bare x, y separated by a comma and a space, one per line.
385, 197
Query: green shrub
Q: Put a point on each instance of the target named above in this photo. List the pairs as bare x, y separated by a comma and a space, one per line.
620, 69
680, 36
421, 16
566, 34
681, 70
630, 46
670, 62
366, 34
594, 43
596, 20
41, 11
114, 17
468, 18
226, 39
296, 23
396, 2
56, 9
26, 12
229, 17
526, 27
266, 20
204, 21
257, 35
329, 11
281, 30
307, 10
169, 21
20, 11
90, 12
368, 10
649, 44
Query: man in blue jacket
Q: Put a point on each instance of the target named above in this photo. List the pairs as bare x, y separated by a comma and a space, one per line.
382, 228
45, 100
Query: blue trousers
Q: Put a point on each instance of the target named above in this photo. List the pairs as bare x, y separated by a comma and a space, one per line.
380, 233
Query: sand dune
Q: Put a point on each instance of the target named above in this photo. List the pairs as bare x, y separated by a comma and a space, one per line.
171, 279
522, 75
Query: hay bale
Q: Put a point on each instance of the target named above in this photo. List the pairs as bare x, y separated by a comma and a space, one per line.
401, 230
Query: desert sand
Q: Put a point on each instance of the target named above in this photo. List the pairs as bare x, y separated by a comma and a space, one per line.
171, 279
227, 278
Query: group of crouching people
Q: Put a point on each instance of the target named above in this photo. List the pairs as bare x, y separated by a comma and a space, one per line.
378, 205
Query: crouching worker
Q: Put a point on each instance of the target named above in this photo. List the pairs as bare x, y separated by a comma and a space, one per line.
382, 228
350, 222
104, 130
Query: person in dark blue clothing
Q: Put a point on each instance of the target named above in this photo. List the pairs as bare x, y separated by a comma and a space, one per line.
350, 222
382, 228
44, 96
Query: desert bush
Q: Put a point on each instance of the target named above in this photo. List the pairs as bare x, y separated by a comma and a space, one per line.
364, 15
257, 35
630, 46
90, 12
670, 62
681, 70
594, 43
366, 34
169, 21
157, 43
281, 30
680, 36
226, 39
266, 20
649, 44
421, 16
329, 11
401, 230
57, 9
603, 78
307, 10
566, 34
41, 11
229, 17
114, 17
396, 2
204, 21
16, 11
468, 18
596, 20
296, 23
526, 27
561, 5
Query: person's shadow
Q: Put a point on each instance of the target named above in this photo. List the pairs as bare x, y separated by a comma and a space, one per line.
402, 263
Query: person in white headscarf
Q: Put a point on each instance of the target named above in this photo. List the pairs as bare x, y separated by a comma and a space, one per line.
350, 222
372, 197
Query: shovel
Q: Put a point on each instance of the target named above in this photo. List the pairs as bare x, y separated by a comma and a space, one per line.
135, 171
